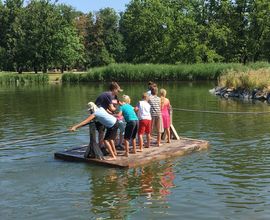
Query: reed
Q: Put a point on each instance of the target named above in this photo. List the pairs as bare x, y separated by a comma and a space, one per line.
26, 78
154, 72
250, 79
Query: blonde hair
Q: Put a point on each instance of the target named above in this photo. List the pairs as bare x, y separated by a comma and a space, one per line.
145, 96
163, 94
126, 98
92, 106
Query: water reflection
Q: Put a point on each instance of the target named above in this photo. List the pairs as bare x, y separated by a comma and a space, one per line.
115, 192
229, 181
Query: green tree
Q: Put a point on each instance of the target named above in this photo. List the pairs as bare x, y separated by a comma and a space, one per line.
67, 47
145, 26
41, 24
259, 31
111, 37
11, 34
103, 41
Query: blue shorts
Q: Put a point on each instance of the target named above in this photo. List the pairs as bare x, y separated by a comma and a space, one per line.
131, 130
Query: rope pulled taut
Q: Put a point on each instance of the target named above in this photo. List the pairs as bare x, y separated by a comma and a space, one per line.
219, 112
175, 109
32, 138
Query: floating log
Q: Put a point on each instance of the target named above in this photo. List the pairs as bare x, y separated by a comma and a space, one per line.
167, 150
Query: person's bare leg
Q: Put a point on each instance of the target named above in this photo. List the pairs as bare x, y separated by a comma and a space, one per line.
158, 133
134, 145
141, 142
152, 127
126, 147
108, 145
113, 147
148, 137
168, 133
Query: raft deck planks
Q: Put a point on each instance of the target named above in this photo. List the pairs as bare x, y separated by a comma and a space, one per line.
167, 150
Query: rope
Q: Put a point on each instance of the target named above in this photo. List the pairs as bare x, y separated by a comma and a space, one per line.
175, 109
32, 138
218, 112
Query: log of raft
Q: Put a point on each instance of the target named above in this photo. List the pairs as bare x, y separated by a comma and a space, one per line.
179, 147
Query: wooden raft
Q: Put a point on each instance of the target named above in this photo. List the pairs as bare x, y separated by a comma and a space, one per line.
167, 150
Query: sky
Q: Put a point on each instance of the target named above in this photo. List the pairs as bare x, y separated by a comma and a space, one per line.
94, 5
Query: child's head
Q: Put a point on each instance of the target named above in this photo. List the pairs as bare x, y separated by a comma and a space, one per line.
154, 90
150, 83
126, 99
163, 92
92, 107
145, 96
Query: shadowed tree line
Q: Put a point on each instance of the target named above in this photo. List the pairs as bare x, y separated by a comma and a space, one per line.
41, 34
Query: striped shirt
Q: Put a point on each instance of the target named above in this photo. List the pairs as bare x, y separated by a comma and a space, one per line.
154, 102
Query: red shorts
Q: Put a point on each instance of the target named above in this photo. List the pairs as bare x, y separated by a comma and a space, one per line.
144, 127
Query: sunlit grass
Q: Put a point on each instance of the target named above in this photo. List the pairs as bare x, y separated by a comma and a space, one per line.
250, 79
157, 72
26, 78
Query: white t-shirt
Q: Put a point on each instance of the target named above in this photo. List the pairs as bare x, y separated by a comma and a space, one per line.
144, 110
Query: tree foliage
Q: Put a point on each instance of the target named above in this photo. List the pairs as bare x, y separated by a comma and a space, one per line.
190, 31
42, 34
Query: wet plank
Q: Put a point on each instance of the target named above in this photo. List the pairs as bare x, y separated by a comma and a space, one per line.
176, 148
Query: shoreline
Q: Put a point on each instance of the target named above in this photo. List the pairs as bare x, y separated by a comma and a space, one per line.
242, 94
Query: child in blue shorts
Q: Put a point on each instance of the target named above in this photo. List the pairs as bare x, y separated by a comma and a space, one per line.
132, 123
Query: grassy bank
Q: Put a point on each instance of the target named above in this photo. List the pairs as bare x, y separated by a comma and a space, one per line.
157, 72
139, 72
26, 78
249, 80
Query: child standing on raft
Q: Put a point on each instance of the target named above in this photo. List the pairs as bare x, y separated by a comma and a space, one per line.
154, 102
145, 119
165, 112
131, 123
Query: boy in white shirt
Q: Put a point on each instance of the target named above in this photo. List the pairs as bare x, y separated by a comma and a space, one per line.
145, 120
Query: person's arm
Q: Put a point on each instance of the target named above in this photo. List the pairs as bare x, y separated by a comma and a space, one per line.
111, 108
170, 107
84, 122
119, 114
136, 108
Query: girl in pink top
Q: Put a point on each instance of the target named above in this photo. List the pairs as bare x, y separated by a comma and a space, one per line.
165, 112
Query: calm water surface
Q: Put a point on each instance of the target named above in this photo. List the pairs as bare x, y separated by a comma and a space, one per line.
229, 181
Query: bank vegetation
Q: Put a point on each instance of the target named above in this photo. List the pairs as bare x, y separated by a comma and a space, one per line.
248, 80
8, 78
159, 72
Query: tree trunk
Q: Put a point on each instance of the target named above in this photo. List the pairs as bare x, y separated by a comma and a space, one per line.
62, 69
44, 69
19, 70
35, 70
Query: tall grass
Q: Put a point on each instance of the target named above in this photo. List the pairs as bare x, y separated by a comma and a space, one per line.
154, 72
250, 79
27, 78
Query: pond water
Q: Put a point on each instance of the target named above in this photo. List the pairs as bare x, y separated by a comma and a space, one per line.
229, 181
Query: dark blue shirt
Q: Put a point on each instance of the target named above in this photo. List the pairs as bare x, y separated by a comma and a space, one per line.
104, 100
